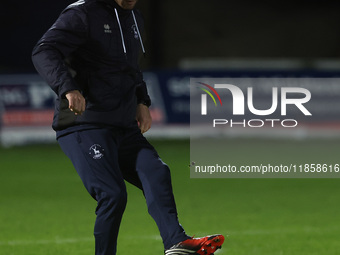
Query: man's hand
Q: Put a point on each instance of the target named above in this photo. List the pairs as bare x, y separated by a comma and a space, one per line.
143, 118
76, 102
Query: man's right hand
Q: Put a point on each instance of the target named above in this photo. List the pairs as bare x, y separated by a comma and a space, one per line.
76, 102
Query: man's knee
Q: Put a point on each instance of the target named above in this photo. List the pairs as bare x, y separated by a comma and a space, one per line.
154, 174
148, 161
112, 201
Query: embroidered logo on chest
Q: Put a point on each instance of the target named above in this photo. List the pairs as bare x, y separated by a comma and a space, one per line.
107, 29
134, 31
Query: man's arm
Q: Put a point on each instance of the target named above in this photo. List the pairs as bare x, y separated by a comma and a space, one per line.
76, 102
143, 102
143, 118
64, 37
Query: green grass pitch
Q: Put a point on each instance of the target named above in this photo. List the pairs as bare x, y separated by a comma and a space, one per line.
45, 210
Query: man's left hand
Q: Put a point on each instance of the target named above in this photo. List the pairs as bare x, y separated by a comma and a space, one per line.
143, 118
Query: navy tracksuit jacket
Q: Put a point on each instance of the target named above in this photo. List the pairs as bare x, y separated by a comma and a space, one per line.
93, 47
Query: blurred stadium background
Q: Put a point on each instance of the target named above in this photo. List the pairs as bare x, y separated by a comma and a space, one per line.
184, 39
45, 210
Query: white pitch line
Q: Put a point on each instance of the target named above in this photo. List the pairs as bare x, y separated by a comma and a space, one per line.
68, 240
55, 241
153, 237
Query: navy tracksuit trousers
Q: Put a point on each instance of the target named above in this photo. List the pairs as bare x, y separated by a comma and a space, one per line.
104, 158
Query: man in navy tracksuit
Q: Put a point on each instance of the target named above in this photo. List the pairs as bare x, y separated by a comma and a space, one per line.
89, 58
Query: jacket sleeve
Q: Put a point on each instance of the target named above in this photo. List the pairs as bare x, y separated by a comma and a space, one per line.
142, 92
63, 38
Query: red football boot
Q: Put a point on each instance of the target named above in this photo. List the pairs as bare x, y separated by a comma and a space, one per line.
203, 246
